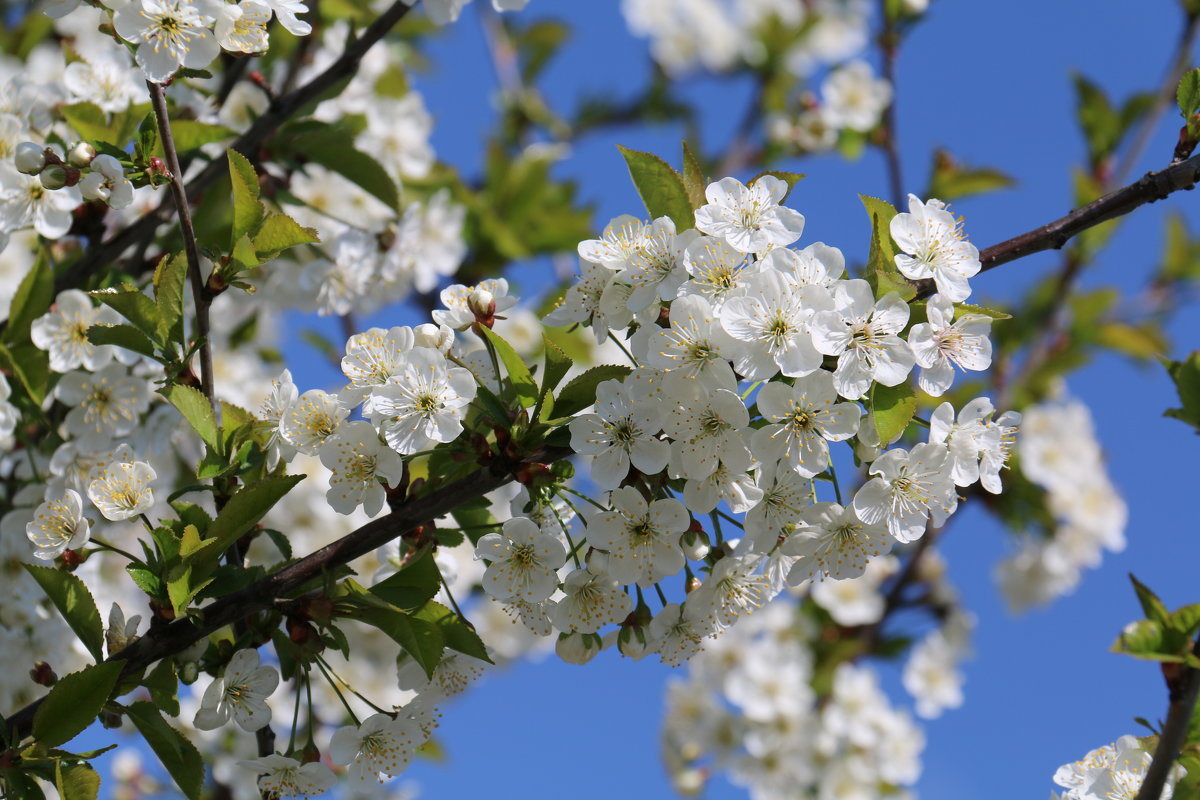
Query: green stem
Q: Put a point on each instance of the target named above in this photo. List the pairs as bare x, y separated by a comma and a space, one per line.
334, 685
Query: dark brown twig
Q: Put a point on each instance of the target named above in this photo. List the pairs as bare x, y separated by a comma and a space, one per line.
1183, 690
201, 299
889, 45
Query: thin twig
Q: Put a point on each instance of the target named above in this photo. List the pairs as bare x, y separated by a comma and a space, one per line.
1183, 691
889, 45
200, 297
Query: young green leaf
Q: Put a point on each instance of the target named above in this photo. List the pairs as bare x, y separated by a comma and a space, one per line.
455, 632
136, 307
76, 781
881, 261
892, 408
278, 233
412, 586
190, 134
1152, 607
247, 210
73, 600
180, 757
518, 374
660, 187
74, 703
246, 508
1188, 93
693, 178
169, 278
124, 336
196, 409
580, 392
420, 639
33, 297
1186, 375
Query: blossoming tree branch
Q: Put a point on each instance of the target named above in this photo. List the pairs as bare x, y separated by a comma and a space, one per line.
719, 443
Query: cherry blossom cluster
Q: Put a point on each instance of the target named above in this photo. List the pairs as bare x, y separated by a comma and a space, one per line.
1059, 452
1112, 772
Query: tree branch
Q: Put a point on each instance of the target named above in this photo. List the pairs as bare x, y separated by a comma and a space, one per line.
180, 634
1150, 187
200, 297
1183, 691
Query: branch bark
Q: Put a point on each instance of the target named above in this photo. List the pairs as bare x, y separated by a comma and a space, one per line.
180, 634
1054, 235
1183, 691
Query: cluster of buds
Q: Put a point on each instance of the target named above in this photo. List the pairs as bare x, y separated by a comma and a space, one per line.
99, 177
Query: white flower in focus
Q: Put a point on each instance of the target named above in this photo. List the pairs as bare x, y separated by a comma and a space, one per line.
749, 219
457, 299
107, 183
854, 97
242, 28
775, 516
806, 419
168, 34
622, 431
63, 332
582, 301
862, 333
979, 447
932, 246
642, 538
593, 599
241, 694
280, 776
831, 541
717, 270
910, 489
311, 419
619, 240
523, 562
655, 268
676, 633
703, 425
943, 343
771, 320
382, 745
1113, 772
424, 404
375, 355
730, 480
274, 408
695, 346
24, 202
734, 588
358, 460
58, 525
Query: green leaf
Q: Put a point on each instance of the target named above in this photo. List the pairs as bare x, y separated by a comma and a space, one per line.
580, 392
76, 781
1185, 621
244, 255
32, 299
518, 374
196, 409
74, 702
951, 180
177, 754
558, 363
660, 187
89, 121
247, 210
125, 336
1188, 93
184, 585
190, 134
693, 178
790, 178
412, 586
73, 600
1144, 639
1100, 122
1142, 342
420, 639
881, 261
163, 684
1152, 607
1186, 375
457, 634
247, 507
892, 408
169, 277
147, 137
961, 309
278, 233
30, 365
338, 154
136, 307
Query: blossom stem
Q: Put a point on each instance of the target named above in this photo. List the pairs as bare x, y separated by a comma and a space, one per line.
574, 547
889, 45
146, 521
201, 297
346, 684
296, 710
662, 597
728, 518
716, 521
103, 545
449, 594
337, 690
837, 489
624, 350
578, 494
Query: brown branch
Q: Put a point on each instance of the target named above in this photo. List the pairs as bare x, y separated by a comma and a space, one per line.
889, 45
200, 297
180, 634
1183, 690
102, 254
1054, 235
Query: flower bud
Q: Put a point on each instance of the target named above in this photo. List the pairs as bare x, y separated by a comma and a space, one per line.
53, 177
632, 642
694, 543
439, 337
30, 157
42, 674
562, 470
481, 301
577, 648
189, 671
81, 155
